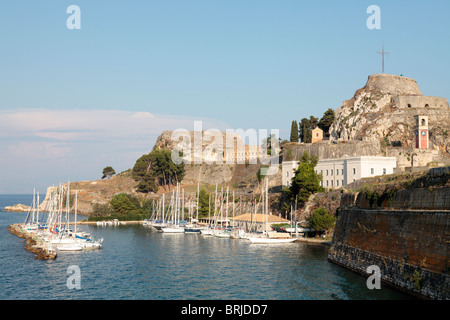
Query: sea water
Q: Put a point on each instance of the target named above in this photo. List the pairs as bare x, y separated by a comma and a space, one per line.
139, 263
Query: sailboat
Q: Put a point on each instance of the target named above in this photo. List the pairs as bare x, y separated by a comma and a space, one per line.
193, 226
223, 232
269, 237
68, 240
208, 231
175, 226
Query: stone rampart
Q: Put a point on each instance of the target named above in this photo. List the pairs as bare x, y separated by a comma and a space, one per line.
406, 233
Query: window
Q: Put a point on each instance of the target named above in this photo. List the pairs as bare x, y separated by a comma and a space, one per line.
342, 171
342, 182
384, 170
327, 172
287, 174
372, 171
337, 183
354, 170
327, 183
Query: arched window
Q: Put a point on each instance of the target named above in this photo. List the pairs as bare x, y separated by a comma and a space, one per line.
426, 106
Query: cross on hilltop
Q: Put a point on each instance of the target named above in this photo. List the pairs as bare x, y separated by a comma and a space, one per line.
383, 53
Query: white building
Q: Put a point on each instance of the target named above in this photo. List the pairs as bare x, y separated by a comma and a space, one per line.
340, 172
287, 170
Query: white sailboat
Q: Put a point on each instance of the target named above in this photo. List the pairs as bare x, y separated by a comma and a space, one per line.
175, 226
223, 232
68, 240
269, 237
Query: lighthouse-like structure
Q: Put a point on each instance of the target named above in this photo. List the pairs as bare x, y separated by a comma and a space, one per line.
421, 132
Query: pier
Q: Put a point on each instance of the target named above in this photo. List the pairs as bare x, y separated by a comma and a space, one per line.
35, 244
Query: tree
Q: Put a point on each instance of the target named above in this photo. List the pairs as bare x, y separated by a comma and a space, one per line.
124, 203
326, 121
294, 131
108, 172
321, 220
203, 202
157, 169
305, 181
305, 128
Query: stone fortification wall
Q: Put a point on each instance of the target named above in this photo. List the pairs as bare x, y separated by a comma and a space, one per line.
406, 233
327, 150
392, 84
425, 102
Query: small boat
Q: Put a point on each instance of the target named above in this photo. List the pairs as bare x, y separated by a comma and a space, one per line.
173, 229
192, 228
271, 240
207, 231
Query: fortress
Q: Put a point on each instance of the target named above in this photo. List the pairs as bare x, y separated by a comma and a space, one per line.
385, 109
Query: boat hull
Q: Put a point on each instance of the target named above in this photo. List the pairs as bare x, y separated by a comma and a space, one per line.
172, 230
271, 240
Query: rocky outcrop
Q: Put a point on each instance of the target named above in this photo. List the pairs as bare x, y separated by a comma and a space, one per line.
17, 208
384, 109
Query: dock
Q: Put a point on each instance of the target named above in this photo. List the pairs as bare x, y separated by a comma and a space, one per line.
35, 244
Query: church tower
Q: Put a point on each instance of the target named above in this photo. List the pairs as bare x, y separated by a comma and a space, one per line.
421, 132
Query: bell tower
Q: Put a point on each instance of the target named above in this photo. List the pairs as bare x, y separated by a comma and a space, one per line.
421, 132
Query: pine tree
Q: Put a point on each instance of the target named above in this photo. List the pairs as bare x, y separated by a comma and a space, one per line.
326, 121
305, 181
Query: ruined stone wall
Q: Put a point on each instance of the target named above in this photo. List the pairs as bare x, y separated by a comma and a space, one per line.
407, 236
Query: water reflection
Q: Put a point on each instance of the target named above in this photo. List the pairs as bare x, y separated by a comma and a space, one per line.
137, 262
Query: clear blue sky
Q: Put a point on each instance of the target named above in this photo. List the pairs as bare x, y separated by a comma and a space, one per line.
234, 63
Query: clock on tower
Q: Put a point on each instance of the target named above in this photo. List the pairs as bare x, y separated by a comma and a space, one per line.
421, 132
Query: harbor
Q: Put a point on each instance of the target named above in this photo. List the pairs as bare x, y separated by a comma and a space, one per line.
138, 262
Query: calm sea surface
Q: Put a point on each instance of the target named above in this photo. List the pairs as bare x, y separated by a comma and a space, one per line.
139, 263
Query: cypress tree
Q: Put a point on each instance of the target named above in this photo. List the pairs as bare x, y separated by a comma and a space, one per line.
294, 131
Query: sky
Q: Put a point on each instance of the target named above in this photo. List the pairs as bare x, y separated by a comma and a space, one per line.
73, 101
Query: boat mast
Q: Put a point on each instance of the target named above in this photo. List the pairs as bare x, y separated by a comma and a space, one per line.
76, 200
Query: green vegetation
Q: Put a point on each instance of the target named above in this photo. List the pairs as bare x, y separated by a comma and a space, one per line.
326, 121
304, 183
305, 126
321, 220
157, 169
377, 194
294, 132
123, 207
108, 172
203, 202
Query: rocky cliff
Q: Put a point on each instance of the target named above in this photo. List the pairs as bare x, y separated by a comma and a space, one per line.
384, 109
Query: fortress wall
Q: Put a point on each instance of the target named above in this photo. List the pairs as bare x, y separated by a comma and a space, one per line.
424, 102
327, 150
393, 85
407, 237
